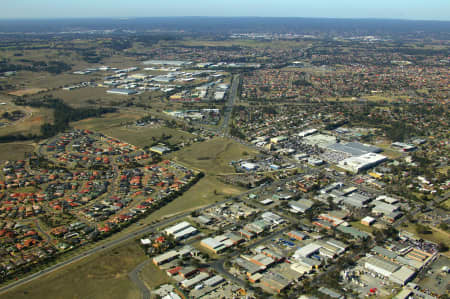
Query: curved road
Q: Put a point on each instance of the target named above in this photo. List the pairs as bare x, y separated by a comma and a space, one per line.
134, 276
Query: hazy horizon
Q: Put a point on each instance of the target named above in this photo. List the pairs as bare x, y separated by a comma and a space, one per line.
434, 10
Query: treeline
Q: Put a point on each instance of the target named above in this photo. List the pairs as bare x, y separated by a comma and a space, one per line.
63, 115
53, 67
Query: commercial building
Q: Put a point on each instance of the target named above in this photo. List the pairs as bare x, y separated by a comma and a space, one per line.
381, 266
213, 245
307, 250
363, 162
181, 230
160, 149
354, 232
189, 283
213, 281
301, 206
296, 235
249, 166
368, 220
172, 254
122, 91
275, 281
177, 63
272, 218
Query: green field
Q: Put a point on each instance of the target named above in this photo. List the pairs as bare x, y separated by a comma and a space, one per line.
213, 156
102, 275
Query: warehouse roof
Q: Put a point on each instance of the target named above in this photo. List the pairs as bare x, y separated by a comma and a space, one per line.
382, 264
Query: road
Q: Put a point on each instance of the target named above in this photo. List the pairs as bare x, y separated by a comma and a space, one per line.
113, 243
228, 109
134, 277
218, 265
103, 247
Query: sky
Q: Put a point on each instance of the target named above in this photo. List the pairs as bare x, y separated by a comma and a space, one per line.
391, 9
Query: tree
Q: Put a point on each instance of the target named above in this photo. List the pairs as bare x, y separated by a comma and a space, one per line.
442, 247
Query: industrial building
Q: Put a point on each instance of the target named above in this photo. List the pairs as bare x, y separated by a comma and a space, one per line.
122, 91
301, 206
181, 230
189, 283
396, 273
171, 255
177, 63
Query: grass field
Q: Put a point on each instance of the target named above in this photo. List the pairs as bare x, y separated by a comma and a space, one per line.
146, 136
362, 227
201, 194
446, 204
213, 156
107, 121
153, 277
436, 236
103, 275
30, 123
28, 91
14, 151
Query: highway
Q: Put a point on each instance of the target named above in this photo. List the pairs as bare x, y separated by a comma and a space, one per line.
228, 109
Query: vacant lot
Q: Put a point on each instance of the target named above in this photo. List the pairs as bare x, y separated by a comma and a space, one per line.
207, 191
15, 151
103, 275
107, 121
147, 136
28, 91
213, 156
153, 277
30, 123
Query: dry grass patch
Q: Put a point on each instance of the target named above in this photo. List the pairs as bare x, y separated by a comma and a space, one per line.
103, 275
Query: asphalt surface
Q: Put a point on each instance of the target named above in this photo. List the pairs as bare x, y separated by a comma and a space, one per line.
134, 277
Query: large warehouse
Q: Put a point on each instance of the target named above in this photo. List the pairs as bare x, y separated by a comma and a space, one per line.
122, 91
366, 161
